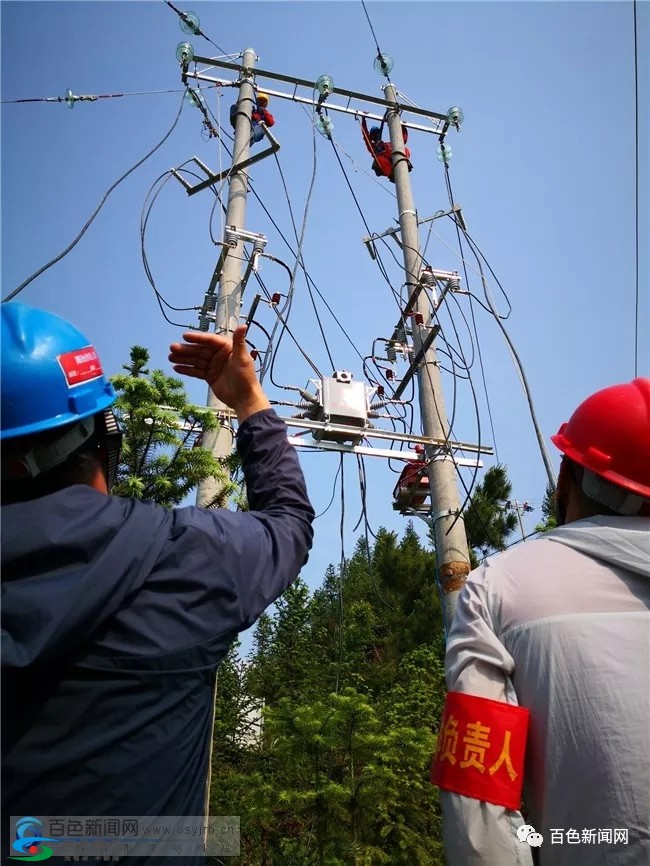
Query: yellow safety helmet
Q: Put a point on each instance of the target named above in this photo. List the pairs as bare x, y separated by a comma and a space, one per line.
262, 98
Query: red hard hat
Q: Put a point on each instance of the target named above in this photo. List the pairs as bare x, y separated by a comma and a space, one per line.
610, 435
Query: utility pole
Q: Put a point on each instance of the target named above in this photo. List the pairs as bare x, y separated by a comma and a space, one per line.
519, 508
452, 556
220, 441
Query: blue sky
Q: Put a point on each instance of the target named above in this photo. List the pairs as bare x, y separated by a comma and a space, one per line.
543, 167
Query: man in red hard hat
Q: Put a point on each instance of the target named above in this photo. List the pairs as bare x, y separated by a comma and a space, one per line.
548, 667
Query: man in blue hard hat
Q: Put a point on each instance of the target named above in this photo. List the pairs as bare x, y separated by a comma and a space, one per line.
382, 151
116, 613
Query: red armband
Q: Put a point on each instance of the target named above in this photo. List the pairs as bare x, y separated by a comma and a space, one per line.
481, 749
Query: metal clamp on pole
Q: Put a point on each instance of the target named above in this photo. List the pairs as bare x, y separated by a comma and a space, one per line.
449, 512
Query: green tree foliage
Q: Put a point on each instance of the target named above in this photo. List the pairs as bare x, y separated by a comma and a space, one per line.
548, 511
157, 462
488, 521
352, 683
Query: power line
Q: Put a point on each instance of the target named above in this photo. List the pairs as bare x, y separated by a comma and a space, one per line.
364, 514
341, 572
144, 220
71, 98
308, 276
357, 167
271, 352
286, 310
518, 367
471, 307
380, 56
58, 258
329, 504
302, 263
195, 29
380, 264
415, 279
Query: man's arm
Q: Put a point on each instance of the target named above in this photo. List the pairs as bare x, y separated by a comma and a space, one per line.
266, 116
233, 565
366, 137
478, 833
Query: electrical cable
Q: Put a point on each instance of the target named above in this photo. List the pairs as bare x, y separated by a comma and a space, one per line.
143, 225
291, 278
342, 567
197, 30
379, 262
361, 467
546, 459
94, 97
449, 425
415, 278
471, 307
286, 310
269, 356
372, 30
468, 265
302, 263
58, 258
398, 299
291, 334
475, 250
371, 570
293, 252
360, 168
329, 505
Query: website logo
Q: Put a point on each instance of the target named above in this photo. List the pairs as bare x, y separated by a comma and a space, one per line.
28, 841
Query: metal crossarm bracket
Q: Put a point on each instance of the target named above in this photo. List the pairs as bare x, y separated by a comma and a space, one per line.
239, 166
391, 435
367, 451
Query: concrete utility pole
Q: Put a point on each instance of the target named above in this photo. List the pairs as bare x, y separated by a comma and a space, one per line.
519, 508
220, 441
451, 543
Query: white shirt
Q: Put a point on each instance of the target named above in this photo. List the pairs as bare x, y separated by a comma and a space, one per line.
561, 625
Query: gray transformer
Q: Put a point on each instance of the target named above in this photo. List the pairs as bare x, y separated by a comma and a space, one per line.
342, 402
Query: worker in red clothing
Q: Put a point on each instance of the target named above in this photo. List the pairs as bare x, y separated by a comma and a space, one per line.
382, 151
258, 115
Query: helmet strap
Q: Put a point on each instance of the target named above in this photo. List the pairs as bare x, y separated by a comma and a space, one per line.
112, 445
45, 457
611, 495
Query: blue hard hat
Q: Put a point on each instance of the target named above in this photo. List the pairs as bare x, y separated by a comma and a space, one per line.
51, 375
375, 132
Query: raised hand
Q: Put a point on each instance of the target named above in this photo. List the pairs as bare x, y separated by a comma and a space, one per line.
226, 365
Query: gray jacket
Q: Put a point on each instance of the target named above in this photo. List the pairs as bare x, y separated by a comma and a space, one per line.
561, 625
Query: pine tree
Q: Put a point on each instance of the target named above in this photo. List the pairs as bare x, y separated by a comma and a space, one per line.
157, 462
350, 718
488, 522
548, 510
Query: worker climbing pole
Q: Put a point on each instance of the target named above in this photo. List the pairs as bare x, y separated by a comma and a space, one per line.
382, 151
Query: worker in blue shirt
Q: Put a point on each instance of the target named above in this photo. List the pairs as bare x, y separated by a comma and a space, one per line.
116, 613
